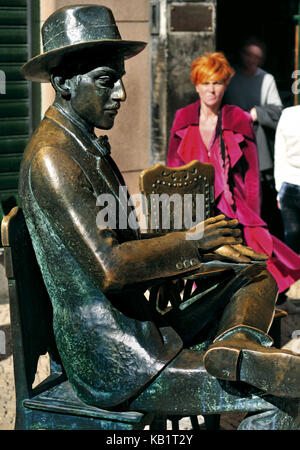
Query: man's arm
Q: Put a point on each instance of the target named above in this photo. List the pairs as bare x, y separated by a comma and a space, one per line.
268, 112
266, 115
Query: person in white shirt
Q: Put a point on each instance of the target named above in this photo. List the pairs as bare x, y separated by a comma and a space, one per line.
287, 174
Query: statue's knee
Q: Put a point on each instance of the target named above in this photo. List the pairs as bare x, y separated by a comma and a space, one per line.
269, 282
269, 278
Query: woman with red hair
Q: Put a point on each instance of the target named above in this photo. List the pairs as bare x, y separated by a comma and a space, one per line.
224, 137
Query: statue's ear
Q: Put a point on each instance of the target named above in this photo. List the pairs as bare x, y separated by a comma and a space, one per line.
61, 85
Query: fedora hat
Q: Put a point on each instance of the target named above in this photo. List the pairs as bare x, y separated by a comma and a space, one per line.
74, 32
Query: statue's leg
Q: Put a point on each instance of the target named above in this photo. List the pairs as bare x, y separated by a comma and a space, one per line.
242, 350
253, 305
196, 320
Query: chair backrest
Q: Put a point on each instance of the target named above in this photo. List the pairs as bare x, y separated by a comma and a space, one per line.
30, 306
186, 182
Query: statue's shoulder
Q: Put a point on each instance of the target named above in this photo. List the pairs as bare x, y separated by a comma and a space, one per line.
51, 162
47, 134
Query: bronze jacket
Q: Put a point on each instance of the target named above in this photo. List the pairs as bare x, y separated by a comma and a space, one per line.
110, 342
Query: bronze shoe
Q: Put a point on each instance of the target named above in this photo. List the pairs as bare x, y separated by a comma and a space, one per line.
240, 358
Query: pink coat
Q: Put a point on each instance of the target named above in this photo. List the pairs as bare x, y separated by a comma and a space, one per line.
243, 202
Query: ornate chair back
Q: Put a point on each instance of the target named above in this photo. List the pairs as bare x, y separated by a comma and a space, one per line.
175, 197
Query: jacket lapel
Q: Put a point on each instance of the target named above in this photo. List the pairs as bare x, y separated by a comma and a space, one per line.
234, 128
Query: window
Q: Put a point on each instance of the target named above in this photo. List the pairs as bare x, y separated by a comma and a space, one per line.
19, 113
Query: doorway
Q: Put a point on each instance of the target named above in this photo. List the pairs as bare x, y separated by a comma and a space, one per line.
272, 22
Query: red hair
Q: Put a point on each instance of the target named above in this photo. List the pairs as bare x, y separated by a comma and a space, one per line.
211, 67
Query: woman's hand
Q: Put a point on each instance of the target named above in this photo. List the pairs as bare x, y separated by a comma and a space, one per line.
253, 114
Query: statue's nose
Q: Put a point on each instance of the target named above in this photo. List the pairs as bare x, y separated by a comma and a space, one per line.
119, 92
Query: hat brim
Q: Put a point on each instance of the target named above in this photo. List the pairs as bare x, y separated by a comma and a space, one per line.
40, 67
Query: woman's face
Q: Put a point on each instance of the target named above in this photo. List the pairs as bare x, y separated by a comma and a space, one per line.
211, 93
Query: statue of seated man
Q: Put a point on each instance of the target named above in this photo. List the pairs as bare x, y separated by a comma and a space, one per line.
112, 344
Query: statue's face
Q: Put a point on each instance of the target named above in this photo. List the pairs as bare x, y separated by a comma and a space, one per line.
96, 95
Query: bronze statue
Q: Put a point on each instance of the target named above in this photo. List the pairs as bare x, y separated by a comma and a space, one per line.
114, 348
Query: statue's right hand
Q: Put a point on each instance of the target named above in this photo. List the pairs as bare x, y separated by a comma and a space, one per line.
215, 232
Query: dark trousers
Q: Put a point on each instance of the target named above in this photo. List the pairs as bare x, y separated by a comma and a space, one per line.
269, 209
289, 198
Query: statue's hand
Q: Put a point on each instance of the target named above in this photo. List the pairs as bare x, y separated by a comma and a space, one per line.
240, 253
214, 233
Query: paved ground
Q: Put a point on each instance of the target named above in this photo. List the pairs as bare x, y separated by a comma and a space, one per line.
7, 396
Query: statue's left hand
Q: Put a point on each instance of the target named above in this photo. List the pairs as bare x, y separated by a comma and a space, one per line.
240, 253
